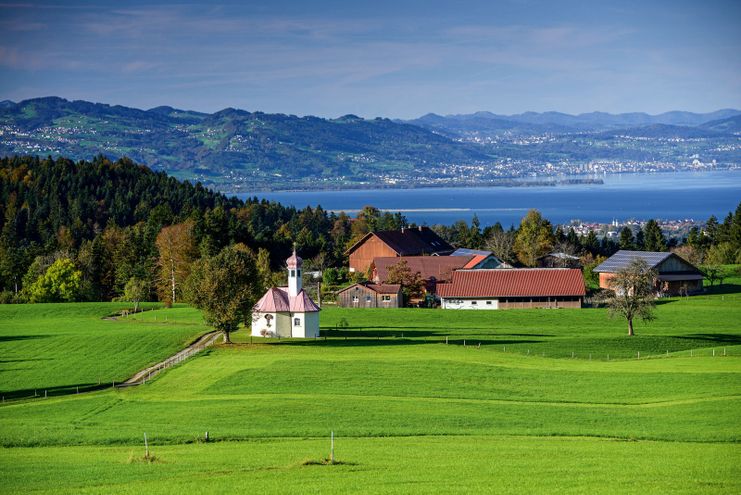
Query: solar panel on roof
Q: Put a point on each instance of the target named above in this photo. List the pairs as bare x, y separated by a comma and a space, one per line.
470, 252
622, 259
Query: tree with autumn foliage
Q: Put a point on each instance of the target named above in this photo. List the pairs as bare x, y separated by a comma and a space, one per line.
534, 238
412, 283
177, 249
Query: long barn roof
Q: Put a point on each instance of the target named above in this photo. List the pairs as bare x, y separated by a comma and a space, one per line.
525, 282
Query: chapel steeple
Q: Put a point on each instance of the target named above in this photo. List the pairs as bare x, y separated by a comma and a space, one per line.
293, 264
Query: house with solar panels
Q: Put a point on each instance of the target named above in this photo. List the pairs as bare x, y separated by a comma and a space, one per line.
287, 311
676, 276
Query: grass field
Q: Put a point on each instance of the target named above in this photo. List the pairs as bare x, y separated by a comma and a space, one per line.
59, 347
412, 414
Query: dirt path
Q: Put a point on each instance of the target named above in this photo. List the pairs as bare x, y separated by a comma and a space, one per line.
196, 347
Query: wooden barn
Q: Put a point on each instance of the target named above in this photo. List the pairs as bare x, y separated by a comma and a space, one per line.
513, 289
370, 295
394, 243
676, 276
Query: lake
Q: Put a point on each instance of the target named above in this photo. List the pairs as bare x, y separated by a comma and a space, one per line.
677, 195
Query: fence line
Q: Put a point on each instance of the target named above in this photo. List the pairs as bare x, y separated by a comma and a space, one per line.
143, 376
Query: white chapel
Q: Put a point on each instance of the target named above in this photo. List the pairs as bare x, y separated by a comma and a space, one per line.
287, 311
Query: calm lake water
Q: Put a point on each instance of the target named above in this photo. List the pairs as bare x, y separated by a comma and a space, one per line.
678, 195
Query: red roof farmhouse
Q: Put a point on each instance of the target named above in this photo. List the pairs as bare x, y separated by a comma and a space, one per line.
513, 289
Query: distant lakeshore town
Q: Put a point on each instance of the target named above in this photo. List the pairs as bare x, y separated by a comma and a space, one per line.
676, 229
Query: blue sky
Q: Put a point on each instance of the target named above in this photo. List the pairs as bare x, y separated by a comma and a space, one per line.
380, 58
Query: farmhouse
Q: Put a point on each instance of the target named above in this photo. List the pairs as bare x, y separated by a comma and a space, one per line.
676, 276
513, 289
370, 295
287, 311
395, 243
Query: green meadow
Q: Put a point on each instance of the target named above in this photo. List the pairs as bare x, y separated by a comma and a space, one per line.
531, 401
59, 347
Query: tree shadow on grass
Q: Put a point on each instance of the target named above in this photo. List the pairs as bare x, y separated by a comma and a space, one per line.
389, 331
25, 360
11, 338
384, 342
720, 338
723, 289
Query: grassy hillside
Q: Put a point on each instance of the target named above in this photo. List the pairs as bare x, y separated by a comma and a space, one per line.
411, 414
233, 149
59, 347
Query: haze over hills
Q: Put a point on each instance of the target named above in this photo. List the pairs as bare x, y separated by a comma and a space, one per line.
236, 150
488, 123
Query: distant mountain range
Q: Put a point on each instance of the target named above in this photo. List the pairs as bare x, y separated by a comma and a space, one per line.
236, 150
233, 146
528, 123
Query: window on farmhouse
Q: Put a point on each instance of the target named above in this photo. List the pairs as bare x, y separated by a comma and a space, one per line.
474, 303
297, 322
385, 298
367, 298
354, 298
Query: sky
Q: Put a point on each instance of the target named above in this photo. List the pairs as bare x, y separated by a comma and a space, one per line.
397, 59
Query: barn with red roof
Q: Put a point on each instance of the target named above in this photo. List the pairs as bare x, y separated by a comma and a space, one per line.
513, 289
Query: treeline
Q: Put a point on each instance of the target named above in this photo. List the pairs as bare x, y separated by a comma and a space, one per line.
99, 230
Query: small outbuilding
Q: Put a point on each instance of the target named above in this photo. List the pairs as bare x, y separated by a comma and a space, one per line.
370, 295
676, 276
287, 311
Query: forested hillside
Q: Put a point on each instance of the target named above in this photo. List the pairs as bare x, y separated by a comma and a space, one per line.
102, 226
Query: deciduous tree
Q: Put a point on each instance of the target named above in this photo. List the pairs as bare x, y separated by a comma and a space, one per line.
412, 283
136, 291
61, 282
534, 238
502, 243
177, 250
225, 287
633, 293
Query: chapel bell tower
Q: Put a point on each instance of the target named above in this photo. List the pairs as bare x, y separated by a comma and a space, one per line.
293, 264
